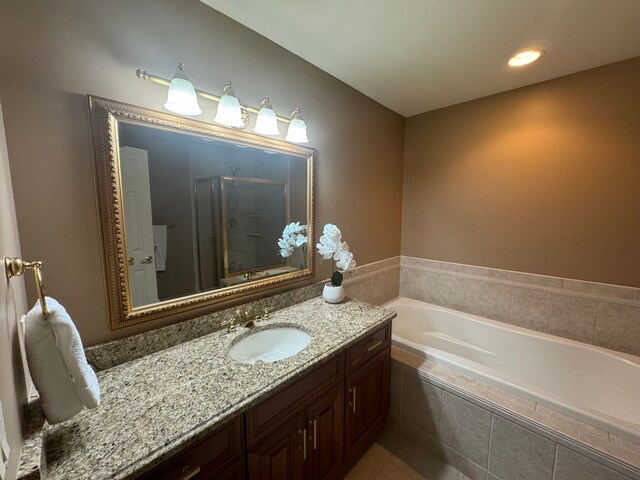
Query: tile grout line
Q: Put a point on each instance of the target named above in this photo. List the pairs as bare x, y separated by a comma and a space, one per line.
595, 324
377, 472
513, 299
555, 462
493, 416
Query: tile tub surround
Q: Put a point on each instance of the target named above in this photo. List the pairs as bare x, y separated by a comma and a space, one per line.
154, 406
598, 314
486, 432
375, 283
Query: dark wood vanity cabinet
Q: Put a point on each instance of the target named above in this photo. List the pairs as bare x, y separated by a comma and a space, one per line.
220, 455
324, 421
367, 403
310, 430
309, 443
309, 446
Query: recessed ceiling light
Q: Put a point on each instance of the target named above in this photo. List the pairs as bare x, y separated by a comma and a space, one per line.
525, 58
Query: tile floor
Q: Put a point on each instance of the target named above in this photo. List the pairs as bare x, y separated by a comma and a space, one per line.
395, 457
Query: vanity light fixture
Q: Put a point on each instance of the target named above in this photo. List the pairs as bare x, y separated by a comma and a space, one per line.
266, 123
525, 58
229, 112
183, 100
181, 97
297, 132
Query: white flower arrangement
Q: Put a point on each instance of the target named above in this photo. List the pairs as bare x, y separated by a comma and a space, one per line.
293, 236
331, 246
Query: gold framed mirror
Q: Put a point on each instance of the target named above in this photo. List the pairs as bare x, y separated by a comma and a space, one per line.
192, 213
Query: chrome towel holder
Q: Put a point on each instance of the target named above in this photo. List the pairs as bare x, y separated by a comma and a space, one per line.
14, 267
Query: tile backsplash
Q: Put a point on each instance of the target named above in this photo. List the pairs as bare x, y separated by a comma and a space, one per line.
599, 314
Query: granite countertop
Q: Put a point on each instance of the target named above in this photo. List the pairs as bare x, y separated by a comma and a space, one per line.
156, 405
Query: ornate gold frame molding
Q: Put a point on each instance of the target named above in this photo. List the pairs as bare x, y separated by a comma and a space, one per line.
104, 116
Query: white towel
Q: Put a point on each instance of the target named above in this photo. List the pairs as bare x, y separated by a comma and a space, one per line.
59, 369
160, 241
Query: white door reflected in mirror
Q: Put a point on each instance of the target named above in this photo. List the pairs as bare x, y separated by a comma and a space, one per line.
134, 165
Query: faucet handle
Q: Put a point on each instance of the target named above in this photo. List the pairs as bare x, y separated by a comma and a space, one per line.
266, 311
230, 324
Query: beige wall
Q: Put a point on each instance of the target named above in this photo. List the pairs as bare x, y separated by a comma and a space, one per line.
543, 179
54, 53
14, 380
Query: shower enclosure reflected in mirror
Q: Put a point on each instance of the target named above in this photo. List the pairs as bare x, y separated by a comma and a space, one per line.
196, 212
238, 222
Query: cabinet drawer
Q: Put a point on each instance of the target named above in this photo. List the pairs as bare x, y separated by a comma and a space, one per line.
234, 472
213, 452
368, 347
265, 417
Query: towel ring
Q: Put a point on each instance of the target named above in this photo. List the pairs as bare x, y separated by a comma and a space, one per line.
14, 267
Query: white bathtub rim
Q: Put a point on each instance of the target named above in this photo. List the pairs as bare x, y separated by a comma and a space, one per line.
617, 426
409, 302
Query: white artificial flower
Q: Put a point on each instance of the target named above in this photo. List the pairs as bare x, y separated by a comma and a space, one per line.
331, 246
326, 247
344, 258
300, 240
333, 233
293, 236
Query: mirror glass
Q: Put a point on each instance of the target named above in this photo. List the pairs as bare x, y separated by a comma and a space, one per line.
203, 213
193, 214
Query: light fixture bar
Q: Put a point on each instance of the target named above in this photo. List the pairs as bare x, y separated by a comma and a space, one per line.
144, 75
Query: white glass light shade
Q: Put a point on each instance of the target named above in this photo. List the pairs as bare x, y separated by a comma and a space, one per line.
229, 112
297, 132
266, 123
181, 97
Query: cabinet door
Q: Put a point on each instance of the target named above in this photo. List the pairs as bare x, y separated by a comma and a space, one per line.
367, 403
325, 434
280, 456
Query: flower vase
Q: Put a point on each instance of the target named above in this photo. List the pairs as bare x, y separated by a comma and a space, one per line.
333, 294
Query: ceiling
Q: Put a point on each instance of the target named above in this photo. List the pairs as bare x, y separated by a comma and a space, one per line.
419, 55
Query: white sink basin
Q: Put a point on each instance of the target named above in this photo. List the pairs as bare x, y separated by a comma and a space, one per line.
270, 345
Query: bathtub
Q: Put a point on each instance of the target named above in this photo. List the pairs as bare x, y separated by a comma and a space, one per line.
597, 386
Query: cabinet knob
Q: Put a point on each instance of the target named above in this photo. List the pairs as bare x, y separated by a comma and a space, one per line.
373, 344
304, 445
352, 403
315, 443
189, 472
